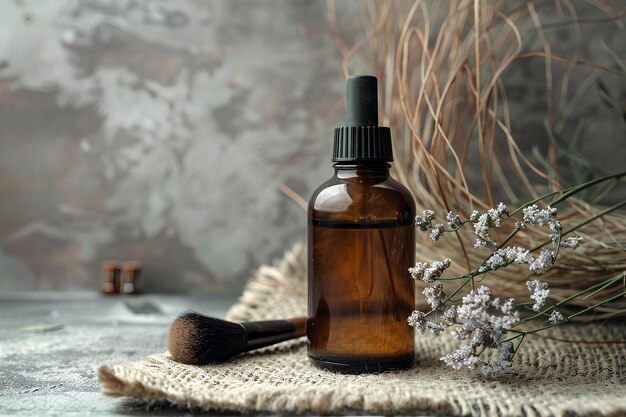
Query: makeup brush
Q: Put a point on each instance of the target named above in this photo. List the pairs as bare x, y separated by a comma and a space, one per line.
195, 339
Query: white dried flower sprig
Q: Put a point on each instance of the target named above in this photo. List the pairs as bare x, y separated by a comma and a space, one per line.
482, 320
436, 232
435, 296
556, 317
540, 293
453, 220
506, 256
424, 222
493, 218
479, 319
428, 273
541, 263
538, 217
571, 242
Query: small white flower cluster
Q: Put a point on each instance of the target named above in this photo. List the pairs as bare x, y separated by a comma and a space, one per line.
435, 296
535, 216
481, 319
437, 232
428, 273
453, 220
540, 293
498, 214
541, 263
483, 222
515, 254
424, 222
556, 317
464, 357
504, 361
505, 256
572, 242
556, 229
474, 314
418, 320
492, 218
449, 315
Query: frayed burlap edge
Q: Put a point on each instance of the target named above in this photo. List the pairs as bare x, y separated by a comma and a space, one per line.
549, 379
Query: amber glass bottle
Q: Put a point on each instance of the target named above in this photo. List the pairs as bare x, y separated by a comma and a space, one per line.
361, 242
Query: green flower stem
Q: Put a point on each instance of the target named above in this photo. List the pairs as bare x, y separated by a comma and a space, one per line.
449, 297
521, 336
568, 191
470, 275
541, 245
500, 246
587, 184
579, 225
526, 303
558, 243
564, 195
458, 227
603, 284
508, 238
530, 203
606, 285
524, 334
608, 300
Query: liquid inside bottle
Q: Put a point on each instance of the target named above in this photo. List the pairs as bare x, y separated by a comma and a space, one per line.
361, 296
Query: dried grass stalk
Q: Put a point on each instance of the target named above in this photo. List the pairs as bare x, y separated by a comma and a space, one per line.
440, 66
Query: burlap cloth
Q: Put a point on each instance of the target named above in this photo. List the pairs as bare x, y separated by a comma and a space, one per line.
550, 378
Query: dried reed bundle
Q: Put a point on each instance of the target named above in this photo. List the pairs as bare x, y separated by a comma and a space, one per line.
444, 96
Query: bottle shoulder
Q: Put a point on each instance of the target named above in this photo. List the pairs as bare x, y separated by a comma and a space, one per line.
362, 201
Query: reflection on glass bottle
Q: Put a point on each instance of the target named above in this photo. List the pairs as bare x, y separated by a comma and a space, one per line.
361, 242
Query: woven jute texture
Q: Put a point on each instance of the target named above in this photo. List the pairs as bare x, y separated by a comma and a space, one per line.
550, 377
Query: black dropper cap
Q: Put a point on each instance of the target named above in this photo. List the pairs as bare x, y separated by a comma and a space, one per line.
362, 140
361, 101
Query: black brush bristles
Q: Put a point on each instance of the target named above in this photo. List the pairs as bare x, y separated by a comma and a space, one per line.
195, 339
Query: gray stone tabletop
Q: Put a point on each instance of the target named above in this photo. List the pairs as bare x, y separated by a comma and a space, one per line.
52, 344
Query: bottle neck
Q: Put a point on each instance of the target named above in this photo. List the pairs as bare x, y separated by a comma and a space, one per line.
370, 170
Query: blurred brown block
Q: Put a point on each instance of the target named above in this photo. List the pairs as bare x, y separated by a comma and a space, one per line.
131, 273
110, 277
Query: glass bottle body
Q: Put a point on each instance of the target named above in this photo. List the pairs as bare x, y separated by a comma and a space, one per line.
361, 242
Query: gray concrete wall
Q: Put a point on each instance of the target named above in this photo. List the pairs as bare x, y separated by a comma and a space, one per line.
162, 131
158, 131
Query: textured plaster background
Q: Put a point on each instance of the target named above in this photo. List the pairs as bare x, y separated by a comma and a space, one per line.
162, 131
158, 131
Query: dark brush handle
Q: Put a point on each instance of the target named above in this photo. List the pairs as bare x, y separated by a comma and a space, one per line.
269, 332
